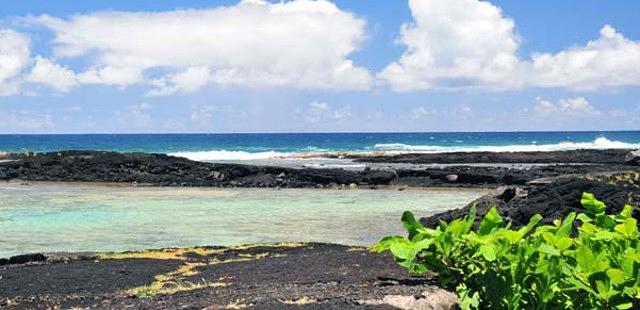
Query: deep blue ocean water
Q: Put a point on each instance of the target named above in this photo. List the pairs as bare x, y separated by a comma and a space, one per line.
256, 146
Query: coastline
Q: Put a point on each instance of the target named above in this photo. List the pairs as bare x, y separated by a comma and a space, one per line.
373, 281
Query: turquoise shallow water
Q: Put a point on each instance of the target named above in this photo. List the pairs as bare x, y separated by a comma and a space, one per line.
71, 217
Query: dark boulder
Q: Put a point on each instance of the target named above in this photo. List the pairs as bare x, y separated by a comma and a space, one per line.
633, 158
552, 200
27, 258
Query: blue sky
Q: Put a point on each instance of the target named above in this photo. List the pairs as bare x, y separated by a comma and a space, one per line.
318, 66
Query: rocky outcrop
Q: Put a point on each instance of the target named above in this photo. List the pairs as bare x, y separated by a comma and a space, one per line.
164, 170
633, 158
23, 259
551, 200
612, 156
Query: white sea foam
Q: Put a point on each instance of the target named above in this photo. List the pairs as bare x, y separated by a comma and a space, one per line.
395, 148
228, 155
599, 143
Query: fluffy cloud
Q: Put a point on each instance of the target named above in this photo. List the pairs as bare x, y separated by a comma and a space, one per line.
189, 80
611, 60
49, 73
319, 105
470, 43
14, 57
420, 112
454, 44
570, 106
301, 43
321, 111
111, 75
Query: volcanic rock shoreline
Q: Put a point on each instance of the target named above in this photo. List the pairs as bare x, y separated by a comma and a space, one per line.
164, 170
292, 276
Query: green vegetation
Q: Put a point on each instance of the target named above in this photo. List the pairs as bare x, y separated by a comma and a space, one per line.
589, 260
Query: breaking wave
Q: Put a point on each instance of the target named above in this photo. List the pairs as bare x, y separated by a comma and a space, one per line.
599, 143
394, 148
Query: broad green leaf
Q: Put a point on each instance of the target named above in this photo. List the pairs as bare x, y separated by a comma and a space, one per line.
488, 252
385, 243
628, 228
491, 220
410, 223
616, 276
584, 218
532, 223
471, 218
591, 204
563, 243
623, 306
565, 227
585, 259
545, 248
424, 244
403, 250
626, 212
512, 236
628, 262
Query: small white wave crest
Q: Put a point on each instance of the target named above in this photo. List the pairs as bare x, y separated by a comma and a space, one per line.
228, 155
597, 144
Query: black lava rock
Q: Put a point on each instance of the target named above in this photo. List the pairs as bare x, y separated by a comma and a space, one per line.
27, 258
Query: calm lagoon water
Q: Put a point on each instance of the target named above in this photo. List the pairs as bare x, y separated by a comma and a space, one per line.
43, 217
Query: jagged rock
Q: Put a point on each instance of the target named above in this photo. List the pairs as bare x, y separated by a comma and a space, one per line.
553, 201
164, 170
611, 156
633, 158
27, 258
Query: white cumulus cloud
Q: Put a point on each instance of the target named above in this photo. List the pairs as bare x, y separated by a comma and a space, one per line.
189, 80
14, 57
611, 60
300, 43
49, 73
578, 106
471, 44
454, 43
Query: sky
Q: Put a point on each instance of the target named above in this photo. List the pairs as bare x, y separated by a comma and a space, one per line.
318, 66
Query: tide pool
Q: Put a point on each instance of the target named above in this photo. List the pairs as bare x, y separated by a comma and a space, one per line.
53, 217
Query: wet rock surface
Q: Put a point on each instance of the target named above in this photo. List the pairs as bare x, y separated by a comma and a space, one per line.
305, 276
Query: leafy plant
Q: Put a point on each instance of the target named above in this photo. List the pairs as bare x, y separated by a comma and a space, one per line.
588, 260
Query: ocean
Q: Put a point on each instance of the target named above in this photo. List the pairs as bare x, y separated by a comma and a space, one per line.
256, 146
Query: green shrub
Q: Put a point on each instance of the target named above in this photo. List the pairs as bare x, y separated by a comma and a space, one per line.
554, 266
